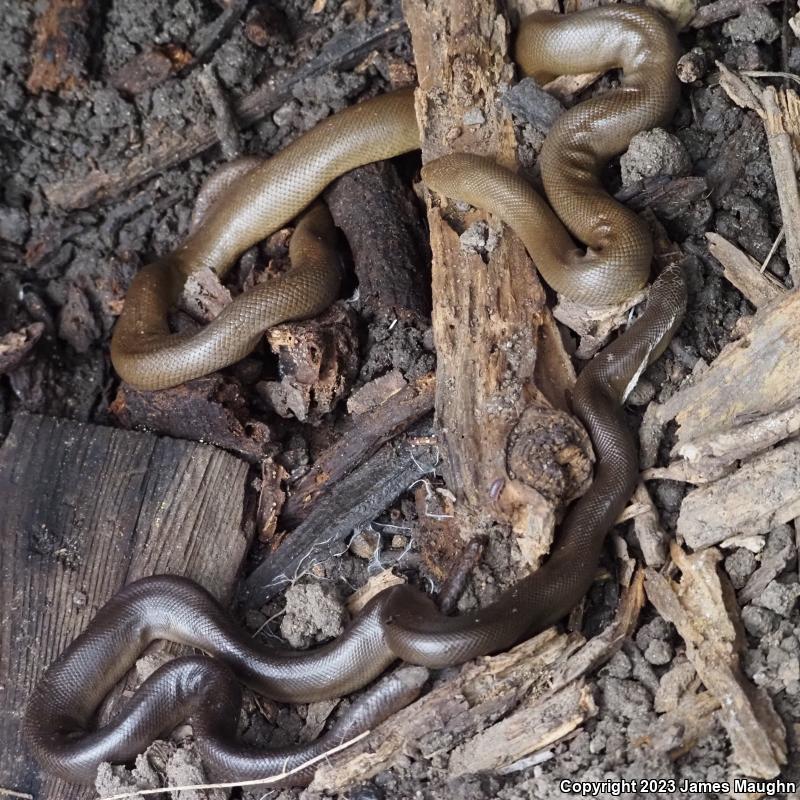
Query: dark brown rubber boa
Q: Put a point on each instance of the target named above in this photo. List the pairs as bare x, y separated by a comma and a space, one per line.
400, 623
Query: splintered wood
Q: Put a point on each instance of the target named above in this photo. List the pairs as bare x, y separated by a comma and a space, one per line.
496, 711
86, 510
703, 609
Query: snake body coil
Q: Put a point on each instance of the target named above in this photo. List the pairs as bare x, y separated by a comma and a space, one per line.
401, 622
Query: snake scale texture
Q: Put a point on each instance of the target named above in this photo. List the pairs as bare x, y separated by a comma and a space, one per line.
400, 622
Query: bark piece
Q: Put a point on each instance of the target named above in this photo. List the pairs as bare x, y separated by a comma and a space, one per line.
86, 510
647, 529
61, 47
225, 123
780, 112
360, 438
703, 609
317, 362
16, 345
746, 399
761, 494
207, 409
345, 49
389, 243
148, 69
744, 272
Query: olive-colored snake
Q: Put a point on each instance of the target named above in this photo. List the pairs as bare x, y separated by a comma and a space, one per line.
401, 622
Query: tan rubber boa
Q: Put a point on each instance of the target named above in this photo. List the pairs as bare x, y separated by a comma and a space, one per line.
401, 622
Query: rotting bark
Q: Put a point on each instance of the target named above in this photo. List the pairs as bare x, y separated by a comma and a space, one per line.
745, 401
343, 51
388, 241
88, 509
488, 308
210, 409
780, 112
744, 272
61, 47
317, 364
762, 493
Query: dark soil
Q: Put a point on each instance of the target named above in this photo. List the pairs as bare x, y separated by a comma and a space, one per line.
69, 271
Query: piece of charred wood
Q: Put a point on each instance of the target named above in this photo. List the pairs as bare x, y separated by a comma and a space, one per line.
361, 436
358, 499
388, 241
210, 409
87, 509
61, 46
344, 50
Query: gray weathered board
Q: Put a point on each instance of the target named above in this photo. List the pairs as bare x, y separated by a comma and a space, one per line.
84, 510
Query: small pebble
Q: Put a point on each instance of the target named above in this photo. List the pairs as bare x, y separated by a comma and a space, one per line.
692, 66
658, 652
365, 543
779, 598
739, 565
757, 621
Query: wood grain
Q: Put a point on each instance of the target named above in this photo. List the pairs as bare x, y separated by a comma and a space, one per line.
488, 305
85, 510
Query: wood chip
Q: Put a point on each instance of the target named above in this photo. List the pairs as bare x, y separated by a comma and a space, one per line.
763, 493
702, 608
61, 46
744, 272
495, 708
747, 399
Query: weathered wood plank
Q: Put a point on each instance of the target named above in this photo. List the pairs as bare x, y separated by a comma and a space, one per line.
86, 509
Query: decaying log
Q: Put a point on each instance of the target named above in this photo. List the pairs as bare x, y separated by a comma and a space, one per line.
85, 510
496, 710
389, 243
346, 49
362, 435
358, 499
61, 47
703, 609
488, 304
